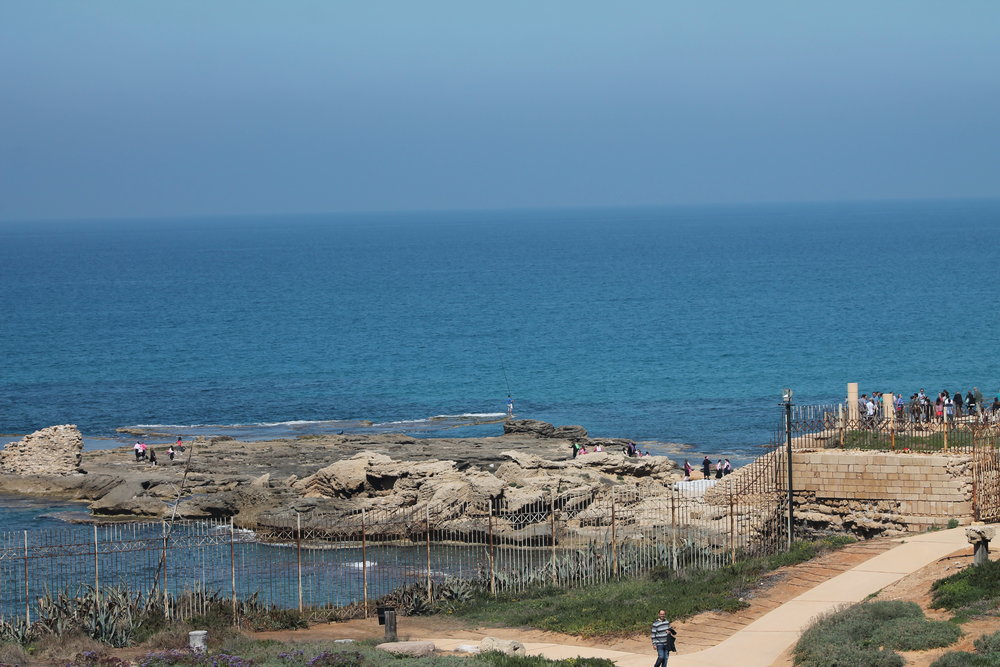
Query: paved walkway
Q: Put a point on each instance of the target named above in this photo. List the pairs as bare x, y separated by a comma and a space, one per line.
760, 643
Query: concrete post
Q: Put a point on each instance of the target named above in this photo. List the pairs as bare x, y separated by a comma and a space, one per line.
390, 625
889, 408
852, 403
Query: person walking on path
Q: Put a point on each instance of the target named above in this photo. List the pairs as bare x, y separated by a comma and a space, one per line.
662, 634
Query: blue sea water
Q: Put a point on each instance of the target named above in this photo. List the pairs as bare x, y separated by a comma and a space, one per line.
661, 324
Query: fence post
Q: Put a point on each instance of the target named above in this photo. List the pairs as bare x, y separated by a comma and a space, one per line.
493, 571
552, 533
166, 600
614, 535
427, 518
364, 560
97, 570
232, 565
840, 423
298, 549
673, 529
27, 596
732, 527
945, 430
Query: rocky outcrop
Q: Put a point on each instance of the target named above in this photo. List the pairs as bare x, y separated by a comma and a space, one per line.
540, 429
401, 483
56, 450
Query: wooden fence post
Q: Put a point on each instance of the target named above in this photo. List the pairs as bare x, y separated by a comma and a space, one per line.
552, 533
364, 560
614, 536
97, 570
492, 553
298, 550
163, 568
427, 518
27, 595
673, 529
232, 565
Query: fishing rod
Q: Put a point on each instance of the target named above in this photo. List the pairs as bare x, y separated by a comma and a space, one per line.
503, 368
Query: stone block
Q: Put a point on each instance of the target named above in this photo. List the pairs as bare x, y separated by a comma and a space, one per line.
412, 649
505, 646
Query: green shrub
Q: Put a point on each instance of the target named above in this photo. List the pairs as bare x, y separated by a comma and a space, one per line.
988, 643
916, 634
868, 633
972, 584
952, 523
959, 659
500, 660
849, 655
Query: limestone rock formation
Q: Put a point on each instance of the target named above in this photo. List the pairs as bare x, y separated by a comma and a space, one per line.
539, 429
56, 450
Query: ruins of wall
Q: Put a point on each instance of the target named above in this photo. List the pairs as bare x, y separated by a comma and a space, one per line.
880, 493
56, 450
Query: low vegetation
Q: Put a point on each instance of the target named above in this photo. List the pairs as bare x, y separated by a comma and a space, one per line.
971, 592
626, 607
870, 633
243, 652
932, 441
987, 654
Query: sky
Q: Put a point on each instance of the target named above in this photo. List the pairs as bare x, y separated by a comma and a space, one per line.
188, 108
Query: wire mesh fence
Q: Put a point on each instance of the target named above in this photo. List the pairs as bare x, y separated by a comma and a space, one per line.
307, 562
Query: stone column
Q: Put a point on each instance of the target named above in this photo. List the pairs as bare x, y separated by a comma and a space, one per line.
889, 408
852, 403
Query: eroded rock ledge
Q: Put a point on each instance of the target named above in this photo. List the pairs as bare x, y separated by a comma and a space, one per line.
265, 483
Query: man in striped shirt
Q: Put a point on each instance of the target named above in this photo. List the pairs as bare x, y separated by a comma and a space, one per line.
661, 634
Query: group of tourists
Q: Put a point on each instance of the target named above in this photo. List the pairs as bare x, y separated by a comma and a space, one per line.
921, 409
630, 449
722, 468
144, 452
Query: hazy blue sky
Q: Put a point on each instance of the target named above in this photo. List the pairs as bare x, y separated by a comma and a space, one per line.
134, 108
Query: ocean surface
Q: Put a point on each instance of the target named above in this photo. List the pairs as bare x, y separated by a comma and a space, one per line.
662, 325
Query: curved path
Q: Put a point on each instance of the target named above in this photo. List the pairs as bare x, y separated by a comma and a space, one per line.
763, 641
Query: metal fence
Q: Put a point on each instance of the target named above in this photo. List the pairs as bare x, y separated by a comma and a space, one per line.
313, 562
836, 425
975, 435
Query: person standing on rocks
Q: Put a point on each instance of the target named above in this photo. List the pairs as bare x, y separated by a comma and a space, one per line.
137, 448
170, 453
152, 456
510, 407
706, 468
687, 471
662, 634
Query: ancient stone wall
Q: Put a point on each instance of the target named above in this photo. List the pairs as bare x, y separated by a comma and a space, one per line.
56, 450
881, 493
